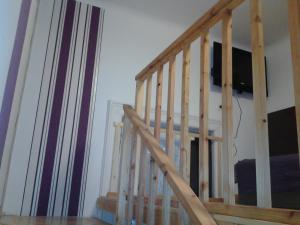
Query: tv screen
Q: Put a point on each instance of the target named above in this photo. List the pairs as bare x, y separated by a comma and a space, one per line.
241, 68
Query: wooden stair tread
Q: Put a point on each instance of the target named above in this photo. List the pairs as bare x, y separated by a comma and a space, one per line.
250, 214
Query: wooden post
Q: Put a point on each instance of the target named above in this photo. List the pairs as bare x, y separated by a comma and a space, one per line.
115, 167
158, 102
169, 139
153, 168
135, 153
132, 170
139, 96
294, 24
139, 101
148, 101
263, 180
184, 131
124, 173
219, 158
142, 178
184, 125
203, 126
227, 125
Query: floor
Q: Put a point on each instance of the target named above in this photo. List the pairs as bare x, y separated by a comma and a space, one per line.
15, 220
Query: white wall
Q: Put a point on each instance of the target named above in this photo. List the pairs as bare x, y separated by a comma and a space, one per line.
9, 15
280, 75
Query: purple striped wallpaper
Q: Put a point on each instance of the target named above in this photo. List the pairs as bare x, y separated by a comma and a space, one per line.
84, 114
13, 72
57, 170
56, 110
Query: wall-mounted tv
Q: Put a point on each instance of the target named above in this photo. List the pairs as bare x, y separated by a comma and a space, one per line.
241, 68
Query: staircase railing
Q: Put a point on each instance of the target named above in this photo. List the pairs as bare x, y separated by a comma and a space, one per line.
191, 203
137, 138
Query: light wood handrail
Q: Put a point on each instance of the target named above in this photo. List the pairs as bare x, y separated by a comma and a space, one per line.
209, 19
193, 206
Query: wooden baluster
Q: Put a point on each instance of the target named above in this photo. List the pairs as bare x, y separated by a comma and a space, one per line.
169, 139
115, 167
203, 126
139, 103
148, 101
219, 178
153, 168
142, 178
139, 97
135, 152
294, 24
263, 180
159, 86
127, 144
227, 124
184, 131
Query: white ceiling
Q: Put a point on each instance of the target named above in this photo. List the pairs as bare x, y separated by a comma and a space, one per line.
185, 12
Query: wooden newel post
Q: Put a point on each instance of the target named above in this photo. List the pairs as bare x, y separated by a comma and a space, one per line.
184, 125
294, 24
203, 121
135, 153
153, 168
227, 124
126, 149
143, 158
263, 180
169, 139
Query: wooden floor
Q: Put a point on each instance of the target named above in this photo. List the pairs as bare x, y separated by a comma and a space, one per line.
15, 220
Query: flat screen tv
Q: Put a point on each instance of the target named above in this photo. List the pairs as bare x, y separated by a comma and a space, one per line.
241, 68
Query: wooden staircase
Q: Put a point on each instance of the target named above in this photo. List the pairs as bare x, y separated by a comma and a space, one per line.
183, 207
237, 214
215, 209
140, 145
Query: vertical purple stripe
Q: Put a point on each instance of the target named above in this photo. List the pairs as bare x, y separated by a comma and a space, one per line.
56, 110
84, 114
13, 72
